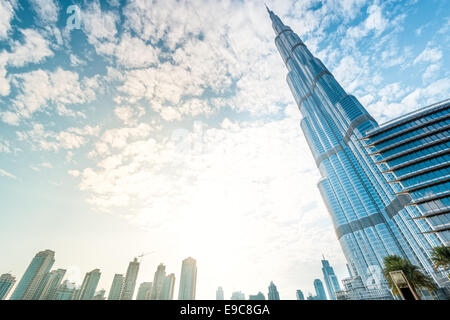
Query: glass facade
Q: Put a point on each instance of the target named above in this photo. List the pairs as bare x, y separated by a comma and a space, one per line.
331, 280
6, 283
188, 280
320, 291
371, 220
414, 154
89, 286
31, 284
273, 292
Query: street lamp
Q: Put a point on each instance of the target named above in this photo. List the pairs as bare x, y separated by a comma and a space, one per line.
403, 286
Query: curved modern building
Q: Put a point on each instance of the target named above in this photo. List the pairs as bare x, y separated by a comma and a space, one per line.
413, 152
372, 218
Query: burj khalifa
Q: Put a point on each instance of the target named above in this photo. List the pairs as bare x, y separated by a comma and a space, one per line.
371, 221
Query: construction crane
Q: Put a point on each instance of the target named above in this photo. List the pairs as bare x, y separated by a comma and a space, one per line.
145, 254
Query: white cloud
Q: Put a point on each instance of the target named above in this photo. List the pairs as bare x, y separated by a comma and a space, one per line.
7, 174
226, 178
129, 115
396, 101
375, 22
34, 49
44, 89
5, 146
46, 10
431, 72
100, 26
432, 55
6, 15
70, 139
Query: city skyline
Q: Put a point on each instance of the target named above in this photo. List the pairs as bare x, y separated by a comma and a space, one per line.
190, 144
55, 285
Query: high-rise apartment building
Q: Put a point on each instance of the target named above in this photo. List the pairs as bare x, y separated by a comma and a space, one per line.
371, 219
188, 280
89, 286
53, 281
273, 292
130, 280
237, 295
331, 280
144, 291
6, 283
320, 290
158, 282
299, 294
116, 287
256, 297
65, 291
219, 294
168, 287
32, 283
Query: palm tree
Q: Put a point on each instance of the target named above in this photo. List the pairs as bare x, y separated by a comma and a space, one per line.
441, 257
416, 278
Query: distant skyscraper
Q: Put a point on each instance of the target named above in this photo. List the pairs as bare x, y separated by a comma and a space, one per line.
168, 287
273, 292
331, 280
6, 283
371, 219
237, 296
259, 296
144, 292
100, 295
299, 295
188, 280
116, 287
158, 282
219, 294
130, 280
65, 291
54, 279
320, 291
89, 286
31, 284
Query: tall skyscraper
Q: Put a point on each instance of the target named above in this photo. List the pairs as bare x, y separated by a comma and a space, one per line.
144, 291
237, 296
130, 280
331, 280
256, 297
65, 291
219, 294
53, 281
299, 295
273, 292
89, 286
116, 287
168, 287
6, 283
371, 221
158, 282
320, 291
31, 284
188, 280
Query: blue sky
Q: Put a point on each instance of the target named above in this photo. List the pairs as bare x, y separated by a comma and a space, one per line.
169, 126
